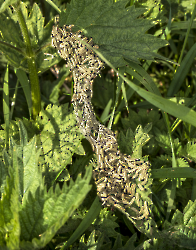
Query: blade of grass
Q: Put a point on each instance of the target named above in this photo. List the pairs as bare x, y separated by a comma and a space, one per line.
193, 193
24, 81
14, 100
187, 33
181, 172
118, 89
54, 6
143, 77
174, 165
6, 110
165, 105
182, 71
106, 111
86, 222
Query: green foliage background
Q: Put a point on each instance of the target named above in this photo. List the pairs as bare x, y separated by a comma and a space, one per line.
146, 93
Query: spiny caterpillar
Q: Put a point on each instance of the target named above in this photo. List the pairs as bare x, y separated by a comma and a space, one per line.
120, 180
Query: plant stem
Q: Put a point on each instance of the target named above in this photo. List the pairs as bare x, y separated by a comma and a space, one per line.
34, 80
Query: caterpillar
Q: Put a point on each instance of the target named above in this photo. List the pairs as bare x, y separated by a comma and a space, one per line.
120, 180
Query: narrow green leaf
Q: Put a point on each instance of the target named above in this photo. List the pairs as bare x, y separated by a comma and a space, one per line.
173, 173
6, 109
106, 111
182, 72
6, 4
13, 240
177, 110
23, 134
86, 222
54, 6
143, 77
24, 81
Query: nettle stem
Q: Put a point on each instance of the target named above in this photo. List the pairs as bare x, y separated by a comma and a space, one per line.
34, 80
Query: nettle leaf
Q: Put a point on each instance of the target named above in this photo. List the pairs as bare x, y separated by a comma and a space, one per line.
165, 161
13, 240
13, 45
5, 204
60, 137
162, 161
46, 212
21, 179
27, 160
132, 143
31, 174
182, 229
117, 30
163, 140
90, 244
143, 118
7, 25
28, 211
155, 10
40, 38
14, 131
106, 223
35, 23
188, 5
190, 149
6, 3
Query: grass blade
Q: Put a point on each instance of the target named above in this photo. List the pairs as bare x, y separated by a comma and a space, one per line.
6, 110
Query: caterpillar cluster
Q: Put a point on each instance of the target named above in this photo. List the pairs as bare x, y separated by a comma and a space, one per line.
119, 179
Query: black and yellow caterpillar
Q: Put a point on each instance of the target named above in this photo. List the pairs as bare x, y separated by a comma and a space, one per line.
120, 180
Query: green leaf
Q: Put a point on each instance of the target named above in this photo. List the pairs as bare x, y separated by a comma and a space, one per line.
186, 172
183, 231
60, 137
133, 142
182, 72
8, 25
35, 24
190, 149
86, 222
13, 45
13, 239
6, 109
118, 242
6, 3
178, 110
24, 81
163, 141
116, 29
46, 212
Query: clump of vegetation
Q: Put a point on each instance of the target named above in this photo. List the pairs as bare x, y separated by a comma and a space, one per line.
145, 95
